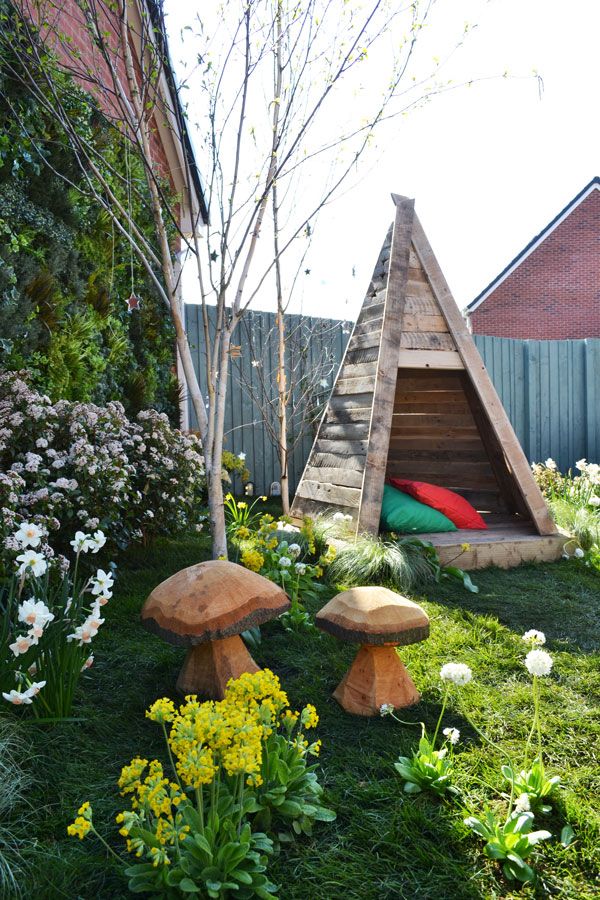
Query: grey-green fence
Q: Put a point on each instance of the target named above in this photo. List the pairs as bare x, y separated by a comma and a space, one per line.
551, 392
550, 389
314, 352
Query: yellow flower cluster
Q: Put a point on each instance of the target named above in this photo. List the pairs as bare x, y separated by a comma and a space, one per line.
243, 533
252, 560
308, 533
161, 711
328, 557
309, 717
83, 822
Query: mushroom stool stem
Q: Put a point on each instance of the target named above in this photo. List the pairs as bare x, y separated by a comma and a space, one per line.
208, 667
376, 676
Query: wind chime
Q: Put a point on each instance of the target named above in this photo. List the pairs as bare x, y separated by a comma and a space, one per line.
133, 301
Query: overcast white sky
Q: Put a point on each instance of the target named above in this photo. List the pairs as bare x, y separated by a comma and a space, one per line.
489, 165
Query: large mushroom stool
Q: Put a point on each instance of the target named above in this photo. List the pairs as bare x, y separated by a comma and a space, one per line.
206, 607
379, 620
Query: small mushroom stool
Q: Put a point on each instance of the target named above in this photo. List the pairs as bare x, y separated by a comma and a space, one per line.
379, 620
206, 607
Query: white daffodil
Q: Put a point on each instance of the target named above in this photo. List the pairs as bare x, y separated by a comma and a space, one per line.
103, 599
88, 663
82, 634
285, 562
35, 613
453, 735
82, 542
294, 550
99, 540
34, 689
457, 673
17, 698
550, 464
538, 662
21, 645
93, 622
534, 637
29, 535
32, 560
102, 583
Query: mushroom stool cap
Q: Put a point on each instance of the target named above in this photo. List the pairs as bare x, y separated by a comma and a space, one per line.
210, 601
374, 615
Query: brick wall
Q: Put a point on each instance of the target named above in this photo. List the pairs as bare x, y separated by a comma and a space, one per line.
78, 53
554, 293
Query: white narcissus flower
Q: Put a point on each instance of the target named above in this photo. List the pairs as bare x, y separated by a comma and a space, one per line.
285, 562
538, 662
99, 540
34, 688
458, 673
22, 645
35, 613
534, 637
82, 542
453, 735
29, 535
17, 698
581, 464
82, 634
88, 663
32, 560
102, 583
550, 464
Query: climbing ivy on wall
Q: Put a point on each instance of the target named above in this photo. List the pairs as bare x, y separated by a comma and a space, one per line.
65, 275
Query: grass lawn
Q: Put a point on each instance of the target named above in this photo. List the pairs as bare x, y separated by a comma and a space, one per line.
384, 844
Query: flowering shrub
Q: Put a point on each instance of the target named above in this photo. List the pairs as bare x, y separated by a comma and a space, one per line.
238, 765
48, 618
575, 505
75, 465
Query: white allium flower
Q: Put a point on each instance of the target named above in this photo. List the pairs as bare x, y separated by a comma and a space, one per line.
102, 583
522, 803
579, 553
294, 550
338, 516
285, 562
82, 542
594, 500
300, 568
32, 560
29, 534
538, 662
550, 464
453, 735
458, 673
347, 518
534, 637
386, 709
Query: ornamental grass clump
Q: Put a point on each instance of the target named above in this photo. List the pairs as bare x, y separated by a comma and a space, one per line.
49, 615
238, 769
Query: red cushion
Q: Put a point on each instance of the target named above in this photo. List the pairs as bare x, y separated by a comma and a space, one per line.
452, 505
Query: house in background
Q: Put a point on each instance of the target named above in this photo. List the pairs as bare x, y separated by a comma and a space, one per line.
551, 289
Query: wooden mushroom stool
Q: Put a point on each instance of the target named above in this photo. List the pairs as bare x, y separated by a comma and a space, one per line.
379, 620
206, 607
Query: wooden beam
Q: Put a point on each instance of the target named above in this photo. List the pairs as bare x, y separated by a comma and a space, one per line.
430, 359
484, 388
387, 368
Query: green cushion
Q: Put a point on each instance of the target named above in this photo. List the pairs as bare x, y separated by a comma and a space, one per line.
405, 515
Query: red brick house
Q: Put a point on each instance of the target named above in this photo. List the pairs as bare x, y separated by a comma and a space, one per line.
551, 289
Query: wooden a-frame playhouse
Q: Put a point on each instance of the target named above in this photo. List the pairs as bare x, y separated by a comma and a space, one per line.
413, 399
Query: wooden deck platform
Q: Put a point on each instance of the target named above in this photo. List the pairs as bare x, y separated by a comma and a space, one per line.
505, 543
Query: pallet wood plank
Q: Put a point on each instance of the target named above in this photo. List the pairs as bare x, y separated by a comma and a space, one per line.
424, 322
335, 475
429, 359
332, 494
426, 340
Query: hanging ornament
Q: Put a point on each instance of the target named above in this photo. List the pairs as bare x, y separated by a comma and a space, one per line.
133, 302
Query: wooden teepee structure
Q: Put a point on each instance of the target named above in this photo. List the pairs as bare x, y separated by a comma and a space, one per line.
413, 399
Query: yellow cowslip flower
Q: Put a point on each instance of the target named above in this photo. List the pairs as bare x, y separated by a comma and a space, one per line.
465, 547
159, 857
83, 822
315, 748
127, 819
318, 572
196, 767
243, 533
290, 718
130, 775
135, 845
309, 717
161, 711
253, 560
